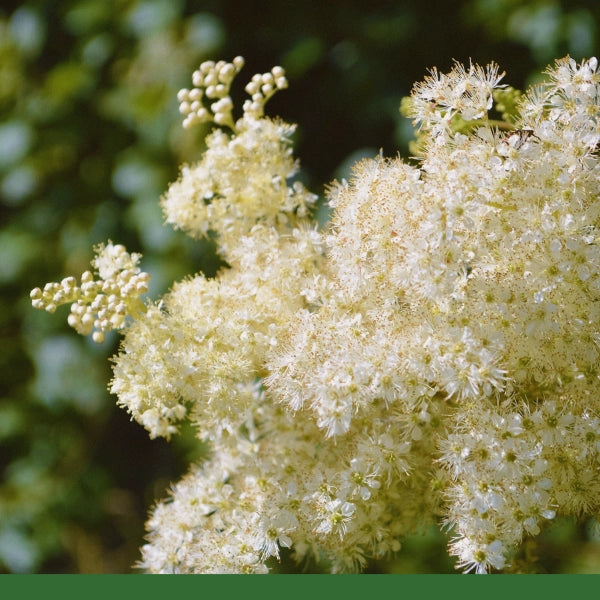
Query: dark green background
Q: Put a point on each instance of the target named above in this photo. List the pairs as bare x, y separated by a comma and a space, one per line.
90, 136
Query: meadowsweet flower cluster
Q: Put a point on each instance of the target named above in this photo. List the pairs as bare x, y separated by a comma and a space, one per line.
433, 356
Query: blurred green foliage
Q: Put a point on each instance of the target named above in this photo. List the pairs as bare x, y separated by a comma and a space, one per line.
90, 137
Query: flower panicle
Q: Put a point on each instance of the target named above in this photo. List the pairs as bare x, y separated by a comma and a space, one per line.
433, 355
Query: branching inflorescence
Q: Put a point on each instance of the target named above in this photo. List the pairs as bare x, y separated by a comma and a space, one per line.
433, 356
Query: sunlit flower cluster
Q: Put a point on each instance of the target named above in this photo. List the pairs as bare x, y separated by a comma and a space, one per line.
243, 179
432, 356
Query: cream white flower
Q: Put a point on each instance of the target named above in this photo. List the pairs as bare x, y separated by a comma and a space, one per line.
432, 356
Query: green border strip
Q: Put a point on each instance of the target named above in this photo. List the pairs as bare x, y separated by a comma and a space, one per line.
332, 587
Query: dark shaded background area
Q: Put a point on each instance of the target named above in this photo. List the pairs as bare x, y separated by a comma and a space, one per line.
90, 137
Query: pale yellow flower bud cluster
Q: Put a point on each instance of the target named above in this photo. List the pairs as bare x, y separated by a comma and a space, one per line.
99, 305
209, 99
261, 88
212, 82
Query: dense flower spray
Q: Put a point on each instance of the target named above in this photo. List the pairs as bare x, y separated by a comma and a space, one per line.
433, 356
